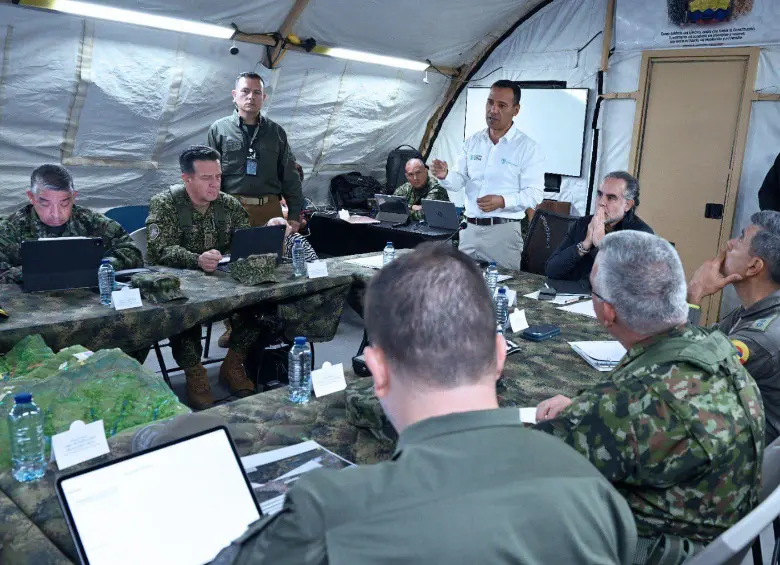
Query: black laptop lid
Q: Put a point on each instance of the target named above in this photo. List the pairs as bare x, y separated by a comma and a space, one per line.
257, 241
440, 214
61, 263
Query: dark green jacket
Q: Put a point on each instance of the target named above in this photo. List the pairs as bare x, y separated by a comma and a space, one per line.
465, 488
24, 225
276, 172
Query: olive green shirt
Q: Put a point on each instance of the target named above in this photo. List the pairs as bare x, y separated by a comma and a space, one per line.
170, 245
276, 172
473, 487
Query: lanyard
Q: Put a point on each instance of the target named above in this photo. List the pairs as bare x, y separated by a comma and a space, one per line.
250, 147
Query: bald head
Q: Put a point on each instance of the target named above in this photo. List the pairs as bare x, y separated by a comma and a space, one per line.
416, 173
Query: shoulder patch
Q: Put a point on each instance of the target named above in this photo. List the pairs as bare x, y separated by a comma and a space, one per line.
154, 231
742, 350
762, 324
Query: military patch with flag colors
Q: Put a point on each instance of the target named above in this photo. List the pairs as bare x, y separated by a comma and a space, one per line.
744, 352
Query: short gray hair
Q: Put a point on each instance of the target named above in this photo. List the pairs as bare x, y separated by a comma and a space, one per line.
766, 243
642, 277
631, 191
51, 177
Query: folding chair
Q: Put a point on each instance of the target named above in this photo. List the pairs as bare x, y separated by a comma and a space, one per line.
132, 218
732, 545
545, 234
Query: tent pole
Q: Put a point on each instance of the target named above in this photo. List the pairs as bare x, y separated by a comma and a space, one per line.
286, 30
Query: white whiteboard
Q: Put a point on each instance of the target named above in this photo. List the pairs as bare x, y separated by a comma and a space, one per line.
554, 118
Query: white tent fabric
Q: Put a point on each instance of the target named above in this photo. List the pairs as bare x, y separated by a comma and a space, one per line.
556, 43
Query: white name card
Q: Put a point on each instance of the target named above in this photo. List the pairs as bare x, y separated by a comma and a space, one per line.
317, 269
518, 321
126, 298
80, 443
328, 379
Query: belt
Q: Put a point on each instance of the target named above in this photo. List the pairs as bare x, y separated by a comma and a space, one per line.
254, 200
491, 221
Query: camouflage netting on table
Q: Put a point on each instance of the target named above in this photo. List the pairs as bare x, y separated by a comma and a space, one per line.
107, 385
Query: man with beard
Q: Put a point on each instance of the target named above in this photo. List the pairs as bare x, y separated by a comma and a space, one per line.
616, 204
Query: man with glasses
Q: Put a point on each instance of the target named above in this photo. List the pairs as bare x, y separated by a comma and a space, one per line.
258, 166
616, 203
678, 426
419, 184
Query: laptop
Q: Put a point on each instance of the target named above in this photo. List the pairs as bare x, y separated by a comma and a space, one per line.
180, 503
391, 208
61, 263
440, 214
254, 241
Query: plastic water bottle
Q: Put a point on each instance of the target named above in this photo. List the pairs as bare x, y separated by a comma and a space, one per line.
106, 282
388, 255
502, 310
299, 371
491, 278
298, 259
25, 428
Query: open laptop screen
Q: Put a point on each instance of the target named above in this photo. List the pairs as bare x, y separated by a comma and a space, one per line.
178, 504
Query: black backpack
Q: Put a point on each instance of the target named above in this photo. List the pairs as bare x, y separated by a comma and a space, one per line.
396, 161
352, 190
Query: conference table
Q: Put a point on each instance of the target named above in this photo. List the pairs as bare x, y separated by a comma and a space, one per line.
333, 237
37, 533
310, 307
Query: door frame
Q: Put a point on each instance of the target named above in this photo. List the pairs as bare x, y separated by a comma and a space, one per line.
751, 56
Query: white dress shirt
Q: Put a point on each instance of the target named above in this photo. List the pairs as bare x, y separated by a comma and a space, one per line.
512, 168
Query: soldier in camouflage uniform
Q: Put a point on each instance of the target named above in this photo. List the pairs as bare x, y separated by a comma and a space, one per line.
752, 263
52, 213
190, 227
677, 427
419, 184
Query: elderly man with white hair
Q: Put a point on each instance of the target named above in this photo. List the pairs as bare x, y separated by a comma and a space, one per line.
678, 426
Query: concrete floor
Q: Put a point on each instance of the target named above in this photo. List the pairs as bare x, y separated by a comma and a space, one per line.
340, 349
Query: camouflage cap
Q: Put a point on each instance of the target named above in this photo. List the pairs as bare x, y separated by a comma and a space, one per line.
255, 269
158, 287
365, 411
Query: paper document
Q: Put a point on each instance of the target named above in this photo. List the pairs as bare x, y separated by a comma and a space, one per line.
584, 308
502, 278
528, 415
273, 472
601, 355
560, 299
373, 262
225, 259
62, 238
362, 220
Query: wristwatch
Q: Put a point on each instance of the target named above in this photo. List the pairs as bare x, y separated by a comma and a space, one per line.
581, 249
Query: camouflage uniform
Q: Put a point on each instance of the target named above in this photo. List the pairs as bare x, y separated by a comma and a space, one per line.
678, 429
24, 225
431, 191
169, 244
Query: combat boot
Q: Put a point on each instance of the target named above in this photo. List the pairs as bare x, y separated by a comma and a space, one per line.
224, 339
198, 388
233, 374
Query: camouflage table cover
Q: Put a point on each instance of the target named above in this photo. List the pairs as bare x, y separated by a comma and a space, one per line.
310, 307
68, 386
258, 423
268, 421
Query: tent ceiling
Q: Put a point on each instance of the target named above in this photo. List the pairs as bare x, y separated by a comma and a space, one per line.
448, 32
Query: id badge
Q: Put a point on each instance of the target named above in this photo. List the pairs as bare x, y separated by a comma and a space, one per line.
251, 166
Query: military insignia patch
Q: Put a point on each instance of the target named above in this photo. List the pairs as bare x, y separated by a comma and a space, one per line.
154, 231
742, 349
762, 324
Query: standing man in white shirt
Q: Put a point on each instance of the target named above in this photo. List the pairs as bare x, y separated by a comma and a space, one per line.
502, 171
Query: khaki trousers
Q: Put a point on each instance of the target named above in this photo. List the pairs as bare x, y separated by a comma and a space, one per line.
502, 243
261, 209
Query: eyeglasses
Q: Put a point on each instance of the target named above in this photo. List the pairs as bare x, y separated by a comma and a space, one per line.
597, 295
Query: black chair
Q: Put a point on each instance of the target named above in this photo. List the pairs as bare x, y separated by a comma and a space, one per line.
545, 234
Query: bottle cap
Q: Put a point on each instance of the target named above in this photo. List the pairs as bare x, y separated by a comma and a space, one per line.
104, 261
502, 290
23, 398
389, 243
300, 340
492, 263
